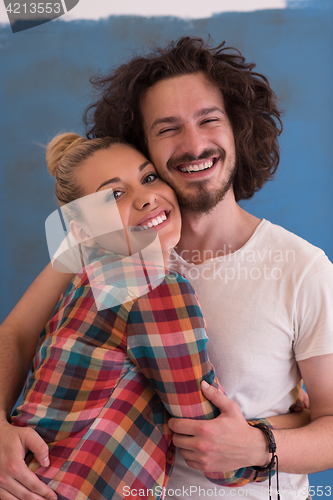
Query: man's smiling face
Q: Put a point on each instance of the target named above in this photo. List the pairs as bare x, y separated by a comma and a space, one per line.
190, 139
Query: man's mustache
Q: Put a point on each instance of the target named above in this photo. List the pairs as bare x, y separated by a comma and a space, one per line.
174, 161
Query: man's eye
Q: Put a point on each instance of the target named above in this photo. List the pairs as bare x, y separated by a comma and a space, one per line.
150, 178
209, 120
166, 130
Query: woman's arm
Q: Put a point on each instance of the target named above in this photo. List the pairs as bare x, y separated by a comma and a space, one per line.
167, 341
299, 411
19, 336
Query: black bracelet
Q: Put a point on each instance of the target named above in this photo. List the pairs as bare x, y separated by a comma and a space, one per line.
271, 446
272, 449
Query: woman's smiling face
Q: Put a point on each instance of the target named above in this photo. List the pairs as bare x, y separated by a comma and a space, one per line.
128, 202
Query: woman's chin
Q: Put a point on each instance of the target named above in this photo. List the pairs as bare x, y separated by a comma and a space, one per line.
168, 242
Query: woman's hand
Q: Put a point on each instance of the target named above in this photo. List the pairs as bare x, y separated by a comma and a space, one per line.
302, 402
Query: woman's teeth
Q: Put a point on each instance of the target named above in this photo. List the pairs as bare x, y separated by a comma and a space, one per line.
197, 168
153, 222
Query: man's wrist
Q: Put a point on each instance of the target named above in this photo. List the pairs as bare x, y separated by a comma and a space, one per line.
4, 414
260, 456
260, 452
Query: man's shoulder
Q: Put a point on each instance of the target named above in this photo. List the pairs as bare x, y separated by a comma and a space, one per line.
280, 238
291, 255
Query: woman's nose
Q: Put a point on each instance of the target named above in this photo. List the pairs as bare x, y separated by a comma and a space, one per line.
144, 198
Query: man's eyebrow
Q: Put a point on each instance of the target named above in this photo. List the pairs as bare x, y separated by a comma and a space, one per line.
208, 111
117, 179
198, 114
166, 119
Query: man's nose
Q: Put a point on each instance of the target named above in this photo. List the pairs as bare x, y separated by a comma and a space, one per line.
193, 141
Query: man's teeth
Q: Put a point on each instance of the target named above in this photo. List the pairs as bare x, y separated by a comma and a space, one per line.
197, 168
154, 222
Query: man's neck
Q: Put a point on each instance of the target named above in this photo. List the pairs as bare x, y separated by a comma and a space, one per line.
224, 230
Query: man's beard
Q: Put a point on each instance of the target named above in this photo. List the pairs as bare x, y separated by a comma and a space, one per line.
204, 200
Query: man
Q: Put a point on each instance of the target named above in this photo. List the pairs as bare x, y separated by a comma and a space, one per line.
210, 125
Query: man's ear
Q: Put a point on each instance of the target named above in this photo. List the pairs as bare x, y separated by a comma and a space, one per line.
81, 234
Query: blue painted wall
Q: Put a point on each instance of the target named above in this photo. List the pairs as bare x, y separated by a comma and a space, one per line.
44, 84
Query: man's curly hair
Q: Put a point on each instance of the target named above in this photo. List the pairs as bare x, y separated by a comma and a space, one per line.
250, 104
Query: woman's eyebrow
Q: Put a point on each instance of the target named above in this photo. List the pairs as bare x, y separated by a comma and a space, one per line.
117, 179
144, 165
110, 181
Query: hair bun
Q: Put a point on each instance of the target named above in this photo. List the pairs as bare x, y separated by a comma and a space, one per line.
58, 147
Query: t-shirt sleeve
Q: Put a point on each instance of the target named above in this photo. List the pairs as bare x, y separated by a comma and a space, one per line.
313, 311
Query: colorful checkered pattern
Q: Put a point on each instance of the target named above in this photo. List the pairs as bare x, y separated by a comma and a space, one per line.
104, 383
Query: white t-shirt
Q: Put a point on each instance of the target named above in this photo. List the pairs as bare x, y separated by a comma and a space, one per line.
267, 305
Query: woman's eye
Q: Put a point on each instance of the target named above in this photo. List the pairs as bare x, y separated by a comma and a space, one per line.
150, 178
112, 195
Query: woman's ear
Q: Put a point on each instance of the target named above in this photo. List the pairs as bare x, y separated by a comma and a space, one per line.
81, 234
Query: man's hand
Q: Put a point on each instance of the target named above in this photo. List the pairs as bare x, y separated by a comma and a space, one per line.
225, 443
16, 480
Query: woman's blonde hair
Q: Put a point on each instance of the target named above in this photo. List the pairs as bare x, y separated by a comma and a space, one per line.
64, 154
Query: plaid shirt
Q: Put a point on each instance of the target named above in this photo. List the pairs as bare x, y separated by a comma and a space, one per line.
105, 381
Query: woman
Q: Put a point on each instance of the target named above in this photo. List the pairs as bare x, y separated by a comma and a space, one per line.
90, 364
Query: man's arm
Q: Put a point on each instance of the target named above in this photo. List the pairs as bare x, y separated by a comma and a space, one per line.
19, 336
231, 443
309, 449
